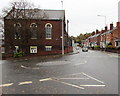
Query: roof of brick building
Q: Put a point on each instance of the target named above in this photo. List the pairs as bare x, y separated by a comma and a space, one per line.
35, 14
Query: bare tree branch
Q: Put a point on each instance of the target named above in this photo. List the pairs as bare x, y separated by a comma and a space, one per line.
20, 10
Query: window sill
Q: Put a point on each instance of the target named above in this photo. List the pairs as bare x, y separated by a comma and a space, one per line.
48, 38
33, 38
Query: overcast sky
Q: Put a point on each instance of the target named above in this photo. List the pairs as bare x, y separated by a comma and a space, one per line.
82, 14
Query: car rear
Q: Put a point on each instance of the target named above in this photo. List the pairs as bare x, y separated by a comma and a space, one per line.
85, 49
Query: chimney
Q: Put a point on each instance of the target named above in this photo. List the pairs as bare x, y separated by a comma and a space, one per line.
13, 8
97, 31
106, 28
118, 24
93, 33
111, 26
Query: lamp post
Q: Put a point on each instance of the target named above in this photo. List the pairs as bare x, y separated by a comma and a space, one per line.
104, 17
62, 36
105, 25
67, 35
62, 3
62, 31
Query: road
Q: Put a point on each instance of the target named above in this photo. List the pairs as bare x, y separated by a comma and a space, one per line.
92, 72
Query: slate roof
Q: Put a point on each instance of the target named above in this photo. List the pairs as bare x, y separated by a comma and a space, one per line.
110, 31
36, 14
96, 35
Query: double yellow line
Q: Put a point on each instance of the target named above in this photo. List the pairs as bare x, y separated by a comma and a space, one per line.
113, 55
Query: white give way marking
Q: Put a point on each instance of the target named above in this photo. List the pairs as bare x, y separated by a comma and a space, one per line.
66, 77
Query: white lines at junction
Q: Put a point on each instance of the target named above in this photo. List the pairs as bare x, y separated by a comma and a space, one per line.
69, 84
92, 85
67, 78
93, 78
74, 78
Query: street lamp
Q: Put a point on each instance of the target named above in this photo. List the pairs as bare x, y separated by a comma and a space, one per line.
62, 31
104, 17
62, 36
105, 25
67, 35
62, 3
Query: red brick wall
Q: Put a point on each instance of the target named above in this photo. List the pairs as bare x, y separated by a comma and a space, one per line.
41, 41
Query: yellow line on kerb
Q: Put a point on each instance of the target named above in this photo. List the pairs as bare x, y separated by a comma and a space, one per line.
113, 55
26, 82
6, 85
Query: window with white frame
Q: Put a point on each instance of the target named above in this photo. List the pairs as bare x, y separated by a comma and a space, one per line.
117, 44
33, 31
33, 49
48, 48
17, 34
48, 30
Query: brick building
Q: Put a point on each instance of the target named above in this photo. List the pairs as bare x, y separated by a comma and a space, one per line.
105, 37
111, 35
35, 32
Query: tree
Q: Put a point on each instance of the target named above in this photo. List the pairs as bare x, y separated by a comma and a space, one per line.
81, 37
20, 11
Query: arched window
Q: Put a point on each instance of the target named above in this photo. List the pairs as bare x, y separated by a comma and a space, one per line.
48, 30
33, 31
17, 34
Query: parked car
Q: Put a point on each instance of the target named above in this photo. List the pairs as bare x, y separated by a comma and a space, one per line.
85, 49
77, 48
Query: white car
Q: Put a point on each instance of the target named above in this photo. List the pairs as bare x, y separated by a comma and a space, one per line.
84, 49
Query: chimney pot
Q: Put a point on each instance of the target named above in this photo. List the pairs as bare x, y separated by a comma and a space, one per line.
97, 31
118, 24
111, 26
106, 28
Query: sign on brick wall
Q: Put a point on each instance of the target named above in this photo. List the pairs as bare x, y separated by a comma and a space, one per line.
33, 49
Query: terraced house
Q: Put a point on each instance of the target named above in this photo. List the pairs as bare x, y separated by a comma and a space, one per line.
105, 37
35, 32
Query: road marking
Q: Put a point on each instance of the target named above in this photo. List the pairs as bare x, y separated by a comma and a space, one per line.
93, 78
24, 67
74, 78
70, 74
45, 79
113, 55
6, 85
68, 84
29, 67
26, 82
81, 63
93, 85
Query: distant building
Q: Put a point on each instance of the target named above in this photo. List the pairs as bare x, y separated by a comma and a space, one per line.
35, 34
104, 37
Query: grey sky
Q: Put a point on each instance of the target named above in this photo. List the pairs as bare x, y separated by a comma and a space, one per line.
82, 14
